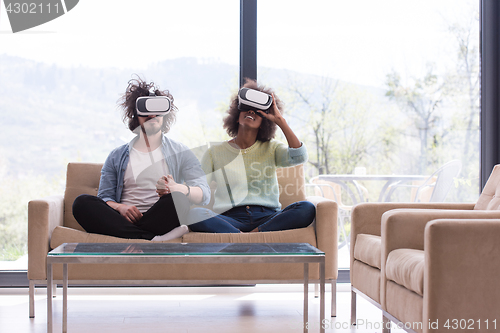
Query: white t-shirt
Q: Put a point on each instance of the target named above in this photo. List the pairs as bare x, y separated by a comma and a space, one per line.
141, 175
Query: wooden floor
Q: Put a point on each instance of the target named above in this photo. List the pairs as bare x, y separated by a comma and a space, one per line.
260, 308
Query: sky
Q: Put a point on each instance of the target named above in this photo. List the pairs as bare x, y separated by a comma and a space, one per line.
358, 41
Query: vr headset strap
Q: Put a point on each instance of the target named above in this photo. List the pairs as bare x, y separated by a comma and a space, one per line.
149, 150
147, 144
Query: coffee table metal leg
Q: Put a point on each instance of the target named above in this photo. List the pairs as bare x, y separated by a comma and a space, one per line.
322, 296
65, 298
49, 298
306, 292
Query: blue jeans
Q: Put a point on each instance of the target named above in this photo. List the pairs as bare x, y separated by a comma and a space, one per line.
246, 218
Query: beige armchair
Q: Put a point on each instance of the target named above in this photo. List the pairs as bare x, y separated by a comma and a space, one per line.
388, 250
51, 223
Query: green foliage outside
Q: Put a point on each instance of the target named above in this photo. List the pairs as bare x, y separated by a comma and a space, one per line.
15, 193
413, 126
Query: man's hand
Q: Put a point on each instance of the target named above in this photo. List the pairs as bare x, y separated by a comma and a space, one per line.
162, 186
167, 184
131, 213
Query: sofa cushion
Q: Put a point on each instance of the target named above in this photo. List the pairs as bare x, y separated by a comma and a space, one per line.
291, 184
62, 235
81, 178
302, 235
406, 268
490, 197
84, 178
368, 249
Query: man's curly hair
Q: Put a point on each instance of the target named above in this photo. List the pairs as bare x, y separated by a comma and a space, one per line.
267, 129
138, 88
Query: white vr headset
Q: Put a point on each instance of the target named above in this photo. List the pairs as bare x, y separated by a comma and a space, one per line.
250, 99
152, 106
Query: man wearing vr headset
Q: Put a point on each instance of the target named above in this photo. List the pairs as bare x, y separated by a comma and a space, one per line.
146, 186
244, 168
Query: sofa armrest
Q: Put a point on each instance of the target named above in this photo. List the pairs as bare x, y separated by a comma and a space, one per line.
366, 218
404, 228
326, 233
461, 272
44, 215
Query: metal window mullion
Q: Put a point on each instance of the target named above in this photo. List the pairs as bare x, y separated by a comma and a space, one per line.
248, 40
490, 87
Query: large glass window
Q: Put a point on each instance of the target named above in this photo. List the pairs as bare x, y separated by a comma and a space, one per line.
60, 84
382, 92
374, 88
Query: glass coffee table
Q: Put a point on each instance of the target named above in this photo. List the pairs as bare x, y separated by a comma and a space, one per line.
184, 253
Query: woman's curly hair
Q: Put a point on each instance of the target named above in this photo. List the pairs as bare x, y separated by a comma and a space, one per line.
267, 129
137, 88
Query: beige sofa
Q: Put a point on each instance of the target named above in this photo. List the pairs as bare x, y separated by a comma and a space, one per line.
51, 223
402, 257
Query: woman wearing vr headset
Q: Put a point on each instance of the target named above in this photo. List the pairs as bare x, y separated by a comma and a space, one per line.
244, 168
146, 186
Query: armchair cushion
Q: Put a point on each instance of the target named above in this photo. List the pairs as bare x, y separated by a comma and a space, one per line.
366, 279
406, 268
368, 249
490, 196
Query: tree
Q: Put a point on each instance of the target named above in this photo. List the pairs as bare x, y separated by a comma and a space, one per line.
420, 99
317, 116
335, 122
466, 82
